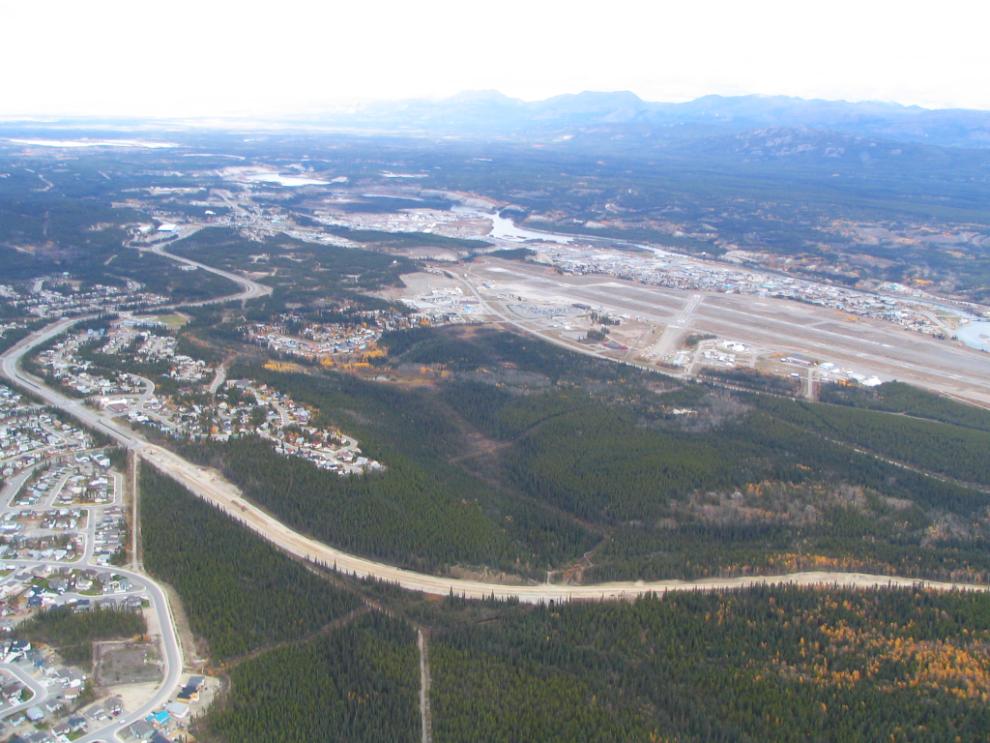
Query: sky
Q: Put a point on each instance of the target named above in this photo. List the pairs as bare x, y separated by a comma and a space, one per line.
146, 58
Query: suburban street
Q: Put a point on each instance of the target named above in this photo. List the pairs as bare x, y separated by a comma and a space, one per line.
141, 587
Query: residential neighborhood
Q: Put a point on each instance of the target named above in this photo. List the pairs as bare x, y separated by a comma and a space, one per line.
241, 407
60, 297
63, 532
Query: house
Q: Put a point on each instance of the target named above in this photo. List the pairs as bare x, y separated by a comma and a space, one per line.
35, 714
69, 678
72, 693
96, 712
159, 718
187, 694
77, 724
12, 690
177, 709
142, 730
159, 738
114, 705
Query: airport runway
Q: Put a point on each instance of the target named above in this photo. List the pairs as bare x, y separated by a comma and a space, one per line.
771, 325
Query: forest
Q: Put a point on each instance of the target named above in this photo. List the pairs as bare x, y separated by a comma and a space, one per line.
769, 664
301, 265
754, 380
92, 256
72, 633
540, 464
700, 192
766, 664
956, 451
513, 457
406, 239
239, 592
306, 659
704, 194
10, 337
897, 397
763, 664
358, 682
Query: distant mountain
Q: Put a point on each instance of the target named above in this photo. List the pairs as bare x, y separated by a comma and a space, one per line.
491, 112
589, 115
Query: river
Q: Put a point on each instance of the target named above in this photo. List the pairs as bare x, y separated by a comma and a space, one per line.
975, 335
504, 229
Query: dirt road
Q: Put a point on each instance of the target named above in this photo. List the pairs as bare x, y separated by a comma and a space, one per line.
211, 486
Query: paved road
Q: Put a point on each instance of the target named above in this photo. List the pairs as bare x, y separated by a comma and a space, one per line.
144, 587
172, 649
40, 693
249, 289
172, 652
10, 368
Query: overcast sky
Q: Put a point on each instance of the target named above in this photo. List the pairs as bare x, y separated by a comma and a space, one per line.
206, 58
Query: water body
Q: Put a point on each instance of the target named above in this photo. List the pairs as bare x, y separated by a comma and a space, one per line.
504, 229
975, 335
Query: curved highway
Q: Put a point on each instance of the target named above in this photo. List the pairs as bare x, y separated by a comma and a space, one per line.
249, 289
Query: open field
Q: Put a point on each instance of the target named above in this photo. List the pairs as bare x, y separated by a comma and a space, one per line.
128, 663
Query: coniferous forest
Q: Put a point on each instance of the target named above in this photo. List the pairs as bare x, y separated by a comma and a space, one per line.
306, 659
767, 664
240, 592
73, 633
527, 460
357, 683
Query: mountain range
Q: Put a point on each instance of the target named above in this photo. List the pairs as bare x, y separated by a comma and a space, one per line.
491, 112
